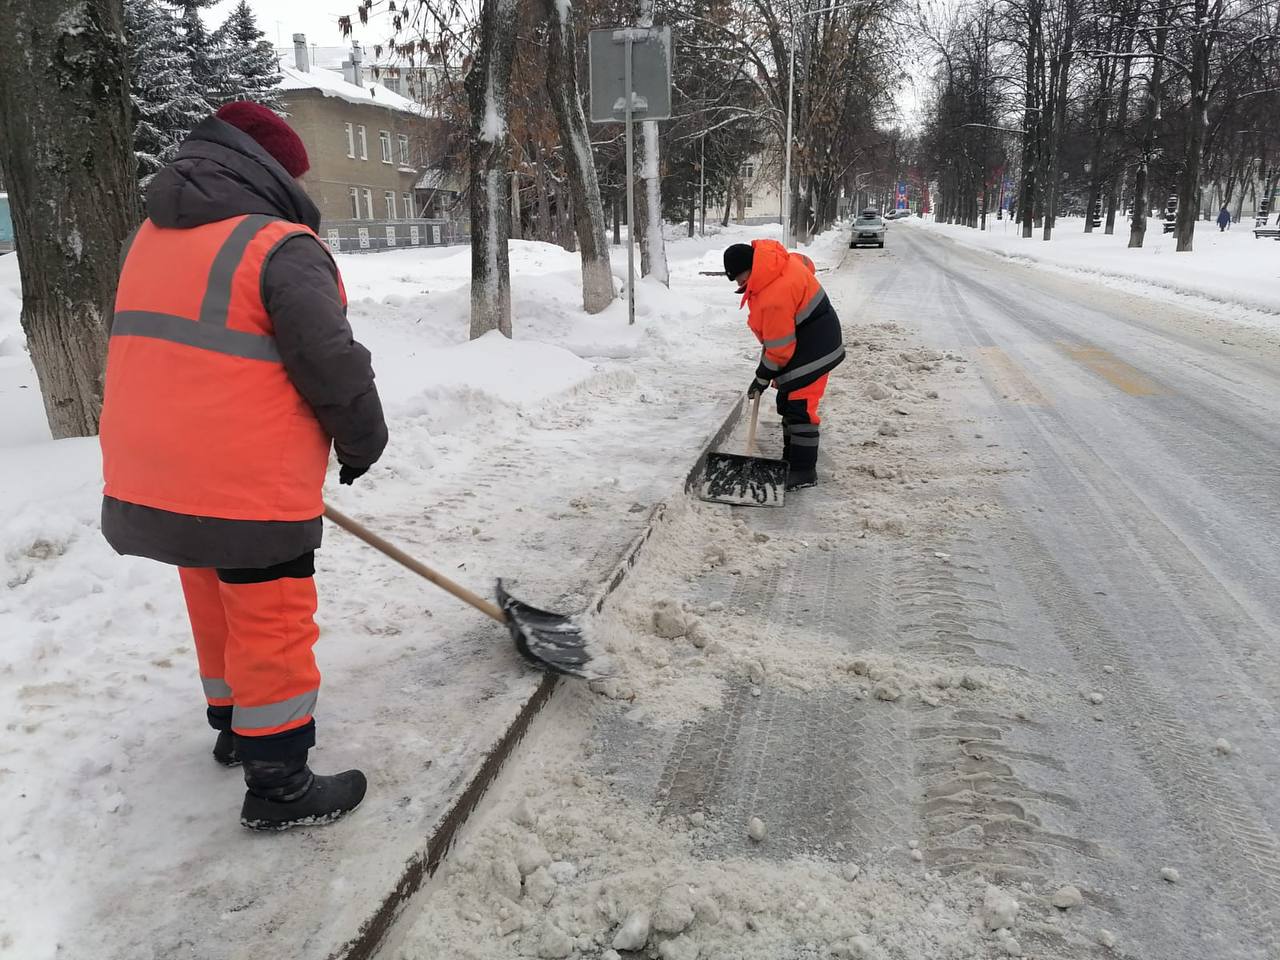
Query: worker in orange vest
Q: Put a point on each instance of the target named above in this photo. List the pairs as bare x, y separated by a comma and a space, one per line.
231, 372
799, 332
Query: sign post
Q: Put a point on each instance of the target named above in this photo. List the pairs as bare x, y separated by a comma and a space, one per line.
630, 74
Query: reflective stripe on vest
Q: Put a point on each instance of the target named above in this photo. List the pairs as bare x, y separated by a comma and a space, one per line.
815, 301
830, 360
209, 331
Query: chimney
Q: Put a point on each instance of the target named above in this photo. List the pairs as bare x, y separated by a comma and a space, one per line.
353, 68
300, 59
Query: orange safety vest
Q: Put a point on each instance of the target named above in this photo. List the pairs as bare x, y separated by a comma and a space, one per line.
199, 415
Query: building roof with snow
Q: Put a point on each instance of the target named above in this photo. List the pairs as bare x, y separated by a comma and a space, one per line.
333, 84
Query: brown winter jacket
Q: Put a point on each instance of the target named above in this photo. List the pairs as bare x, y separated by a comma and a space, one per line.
221, 172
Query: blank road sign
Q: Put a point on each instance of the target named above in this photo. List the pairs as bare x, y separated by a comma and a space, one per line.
650, 73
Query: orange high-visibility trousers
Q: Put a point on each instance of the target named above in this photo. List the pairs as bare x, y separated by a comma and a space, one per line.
800, 431
254, 645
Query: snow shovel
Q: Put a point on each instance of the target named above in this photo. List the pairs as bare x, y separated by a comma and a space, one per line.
549, 641
745, 480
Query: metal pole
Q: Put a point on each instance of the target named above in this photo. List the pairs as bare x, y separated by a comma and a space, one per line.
631, 192
786, 176
702, 186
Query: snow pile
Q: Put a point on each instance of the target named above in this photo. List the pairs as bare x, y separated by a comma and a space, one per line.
672, 654
1232, 268
572, 870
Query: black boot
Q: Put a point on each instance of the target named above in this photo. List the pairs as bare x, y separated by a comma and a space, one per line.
285, 793
224, 749
799, 479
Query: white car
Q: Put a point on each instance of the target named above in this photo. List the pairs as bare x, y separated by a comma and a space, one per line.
869, 229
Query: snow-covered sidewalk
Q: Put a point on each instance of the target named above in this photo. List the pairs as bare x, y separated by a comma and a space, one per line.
1232, 268
537, 459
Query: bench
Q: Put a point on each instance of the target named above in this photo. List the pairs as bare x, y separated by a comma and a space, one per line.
1273, 232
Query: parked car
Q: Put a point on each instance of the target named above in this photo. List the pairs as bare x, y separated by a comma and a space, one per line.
869, 229
897, 214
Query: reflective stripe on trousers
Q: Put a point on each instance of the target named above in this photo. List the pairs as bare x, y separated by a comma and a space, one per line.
800, 424
254, 645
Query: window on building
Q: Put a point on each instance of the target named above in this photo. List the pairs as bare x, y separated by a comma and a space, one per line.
368, 204
392, 82
364, 143
748, 171
404, 149
390, 197
355, 201
384, 141
749, 199
409, 212
351, 140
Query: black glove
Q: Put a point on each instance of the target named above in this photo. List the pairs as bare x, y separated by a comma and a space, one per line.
348, 475
757, 387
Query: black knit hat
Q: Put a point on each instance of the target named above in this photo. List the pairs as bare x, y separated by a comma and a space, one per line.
737, 259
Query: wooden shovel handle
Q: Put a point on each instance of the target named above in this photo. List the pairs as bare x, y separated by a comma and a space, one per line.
421, 569
751, 428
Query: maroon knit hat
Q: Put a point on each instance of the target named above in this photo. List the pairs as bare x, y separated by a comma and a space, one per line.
272, 134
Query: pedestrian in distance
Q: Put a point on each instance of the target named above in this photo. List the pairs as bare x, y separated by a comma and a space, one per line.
231, 373
1224, 218
799, 332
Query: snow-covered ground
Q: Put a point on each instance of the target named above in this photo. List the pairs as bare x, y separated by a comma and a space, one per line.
1231, 268
531, 458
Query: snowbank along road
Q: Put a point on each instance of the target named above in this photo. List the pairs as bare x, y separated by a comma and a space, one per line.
1004, 684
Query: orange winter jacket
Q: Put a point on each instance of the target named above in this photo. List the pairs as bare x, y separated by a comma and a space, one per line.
792, 317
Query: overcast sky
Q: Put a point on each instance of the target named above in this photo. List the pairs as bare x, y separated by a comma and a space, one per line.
318, 19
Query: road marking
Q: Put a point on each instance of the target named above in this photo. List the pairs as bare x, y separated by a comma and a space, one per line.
1114, 370
1010, 380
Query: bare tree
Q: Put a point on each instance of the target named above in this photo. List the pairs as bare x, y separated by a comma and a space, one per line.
653, 246
488, 93
562, 85
67, 156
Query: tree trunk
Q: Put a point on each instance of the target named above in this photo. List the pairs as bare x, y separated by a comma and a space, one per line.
728, 203
67, 156
1116, 170
653, 250
1138, 227
489, 95
617, 221
545, 231
1197, 124
517, 228
584, 185
1061, 89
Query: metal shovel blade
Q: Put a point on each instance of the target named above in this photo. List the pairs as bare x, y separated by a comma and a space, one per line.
744, 481
549, 641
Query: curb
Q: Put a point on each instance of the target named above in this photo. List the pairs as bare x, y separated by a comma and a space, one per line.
422, 865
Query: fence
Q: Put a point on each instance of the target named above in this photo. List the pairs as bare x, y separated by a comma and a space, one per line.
370, 236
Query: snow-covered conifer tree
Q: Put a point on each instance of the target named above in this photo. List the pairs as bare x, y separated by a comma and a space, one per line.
251, 69
208, 65
167, 102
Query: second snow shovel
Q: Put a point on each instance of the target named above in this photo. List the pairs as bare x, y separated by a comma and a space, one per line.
549, 641
745, 480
